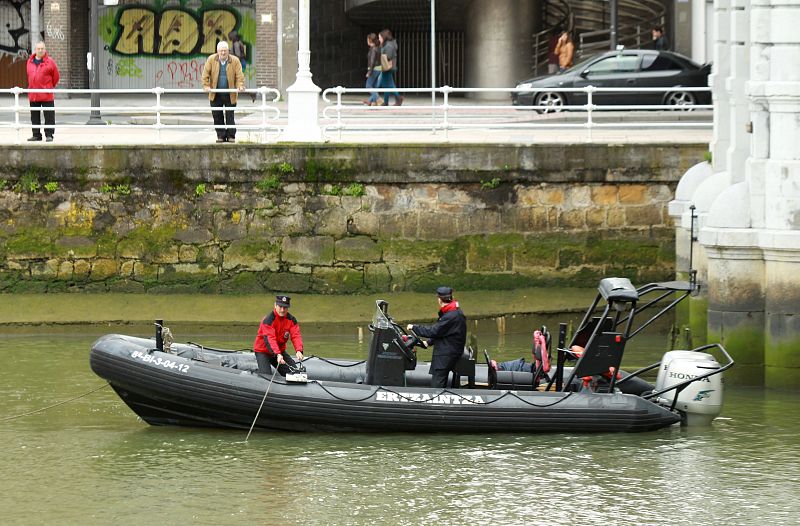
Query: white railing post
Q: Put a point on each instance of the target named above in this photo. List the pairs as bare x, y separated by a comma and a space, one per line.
17, 90
445, 111
262, 96
158, 91
589, 104
339, 91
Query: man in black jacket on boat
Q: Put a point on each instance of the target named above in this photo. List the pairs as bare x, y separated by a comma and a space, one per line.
448, 336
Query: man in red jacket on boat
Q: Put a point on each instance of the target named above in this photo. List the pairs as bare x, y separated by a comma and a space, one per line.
42, 74
275, 331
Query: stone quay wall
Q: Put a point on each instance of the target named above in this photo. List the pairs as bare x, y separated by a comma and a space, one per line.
335, 218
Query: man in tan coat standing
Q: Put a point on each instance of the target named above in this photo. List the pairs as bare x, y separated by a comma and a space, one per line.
223, 71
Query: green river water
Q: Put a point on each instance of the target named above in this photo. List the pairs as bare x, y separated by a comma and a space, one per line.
91, 461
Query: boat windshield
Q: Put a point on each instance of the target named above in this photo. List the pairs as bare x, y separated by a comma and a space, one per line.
381, 318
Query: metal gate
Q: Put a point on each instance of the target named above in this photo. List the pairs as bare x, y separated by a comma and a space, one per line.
414, 59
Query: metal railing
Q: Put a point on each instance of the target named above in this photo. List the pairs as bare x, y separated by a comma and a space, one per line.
158, 110
352, 116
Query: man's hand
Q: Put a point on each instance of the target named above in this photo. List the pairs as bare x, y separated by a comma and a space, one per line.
410, 327
206, 88
242, 88
281, 361
299, 355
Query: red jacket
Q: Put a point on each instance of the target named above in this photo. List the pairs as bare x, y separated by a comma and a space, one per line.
42, 76
275, 331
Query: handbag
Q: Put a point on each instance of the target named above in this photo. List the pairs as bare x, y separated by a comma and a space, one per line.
386, 64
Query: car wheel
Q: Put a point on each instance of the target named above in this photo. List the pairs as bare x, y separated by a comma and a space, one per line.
681, 99
554, 102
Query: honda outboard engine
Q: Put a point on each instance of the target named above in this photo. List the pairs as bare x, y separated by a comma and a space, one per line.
700, 402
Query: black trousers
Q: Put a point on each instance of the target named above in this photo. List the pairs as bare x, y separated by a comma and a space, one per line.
267, 361
223, 118
36, 118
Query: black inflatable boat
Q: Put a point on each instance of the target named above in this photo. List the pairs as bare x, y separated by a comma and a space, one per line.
189, 385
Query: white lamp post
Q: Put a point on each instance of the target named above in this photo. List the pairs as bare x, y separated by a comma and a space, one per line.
303, 94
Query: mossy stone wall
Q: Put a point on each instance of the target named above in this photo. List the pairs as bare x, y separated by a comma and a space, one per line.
335, 218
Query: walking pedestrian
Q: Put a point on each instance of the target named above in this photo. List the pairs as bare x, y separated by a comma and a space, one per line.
223, 71
276, 329
373, 68
388, 67
42, 74
448, 335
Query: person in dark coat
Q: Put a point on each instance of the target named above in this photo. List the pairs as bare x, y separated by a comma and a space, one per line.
660, 42
448, 336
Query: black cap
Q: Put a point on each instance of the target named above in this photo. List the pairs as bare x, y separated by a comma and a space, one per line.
283, 301
446, 293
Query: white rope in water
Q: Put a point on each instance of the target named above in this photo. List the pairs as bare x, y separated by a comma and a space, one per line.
54, 405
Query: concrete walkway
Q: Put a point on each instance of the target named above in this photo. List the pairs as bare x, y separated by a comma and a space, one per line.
495, 122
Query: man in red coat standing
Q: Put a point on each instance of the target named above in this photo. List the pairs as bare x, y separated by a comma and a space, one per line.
275, 331
42, 74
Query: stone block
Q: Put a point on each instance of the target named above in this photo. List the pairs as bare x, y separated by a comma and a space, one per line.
103, 268
398, 225
145, 271
232, 231
317, 250
363, 223
358, 249
337, 280
552, 196
76, 246
595, 217
287, 282
168, 255
331, 221
194, 236
633, 194
81, 269
577, 197
615, 218
252, 254
647, 215
605, 195
66, 269
377, 278
573, 219
446, 226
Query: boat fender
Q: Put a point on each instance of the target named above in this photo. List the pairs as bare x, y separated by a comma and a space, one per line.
539, 349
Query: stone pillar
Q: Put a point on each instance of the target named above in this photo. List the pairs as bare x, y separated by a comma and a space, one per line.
739, 73
719, 73
774, 179
499, 36
267, 42
303, 95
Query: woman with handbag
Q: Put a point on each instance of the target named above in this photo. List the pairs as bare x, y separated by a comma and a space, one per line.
388, 67
373, 68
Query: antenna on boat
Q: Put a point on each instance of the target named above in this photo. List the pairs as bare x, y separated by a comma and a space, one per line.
692, 239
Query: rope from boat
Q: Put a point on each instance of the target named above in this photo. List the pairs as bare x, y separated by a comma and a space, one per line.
443, 391
54, 405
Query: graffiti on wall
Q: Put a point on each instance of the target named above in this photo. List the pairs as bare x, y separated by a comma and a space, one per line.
167, 45
15, 41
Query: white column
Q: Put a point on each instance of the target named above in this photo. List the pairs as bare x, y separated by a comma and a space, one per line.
739, 49
719, 73
303, 95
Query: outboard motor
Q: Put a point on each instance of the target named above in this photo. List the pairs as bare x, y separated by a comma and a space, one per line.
700, 402
389, 355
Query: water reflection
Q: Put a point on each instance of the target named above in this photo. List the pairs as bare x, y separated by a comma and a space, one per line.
93, 462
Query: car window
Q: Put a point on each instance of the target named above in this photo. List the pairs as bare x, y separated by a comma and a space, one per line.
615, 64
659, 63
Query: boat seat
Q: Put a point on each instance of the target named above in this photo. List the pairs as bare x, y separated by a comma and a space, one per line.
465, 366
604, 353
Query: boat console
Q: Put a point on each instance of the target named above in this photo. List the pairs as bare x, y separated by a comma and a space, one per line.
391, 352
